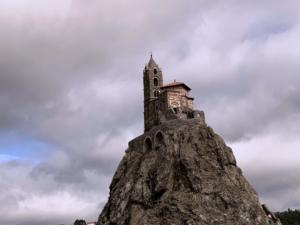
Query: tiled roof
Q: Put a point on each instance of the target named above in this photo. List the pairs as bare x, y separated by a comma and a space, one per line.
176, 83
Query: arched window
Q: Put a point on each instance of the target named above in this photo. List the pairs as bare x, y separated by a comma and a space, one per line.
156, 93
159, 138
155, 71
155, 81
148, 144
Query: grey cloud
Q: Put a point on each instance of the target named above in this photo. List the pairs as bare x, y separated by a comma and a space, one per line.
28, 198
245, 86
74, 82
57, 85
277, 186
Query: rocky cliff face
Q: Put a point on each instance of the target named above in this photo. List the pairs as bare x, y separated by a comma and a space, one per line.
181, 173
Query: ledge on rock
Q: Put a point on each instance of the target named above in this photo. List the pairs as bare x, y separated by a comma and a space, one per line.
181, 173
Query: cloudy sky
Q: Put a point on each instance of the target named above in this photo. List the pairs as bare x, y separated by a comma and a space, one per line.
71, 94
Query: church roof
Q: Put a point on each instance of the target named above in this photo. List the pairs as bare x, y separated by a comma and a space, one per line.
175, 83
152, 63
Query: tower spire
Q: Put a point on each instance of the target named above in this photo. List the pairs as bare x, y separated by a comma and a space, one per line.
152, 63
153, 80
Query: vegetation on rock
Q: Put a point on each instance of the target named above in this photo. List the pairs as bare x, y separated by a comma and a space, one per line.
290, 217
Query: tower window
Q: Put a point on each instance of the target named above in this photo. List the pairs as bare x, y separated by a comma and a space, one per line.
155, 82
159, 138
148, 144
156, 93
155, 71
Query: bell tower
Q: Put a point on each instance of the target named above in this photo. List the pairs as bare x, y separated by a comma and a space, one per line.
153, 81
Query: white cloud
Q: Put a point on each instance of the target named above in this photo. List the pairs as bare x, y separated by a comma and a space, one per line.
35, 8
72, 77
271, 163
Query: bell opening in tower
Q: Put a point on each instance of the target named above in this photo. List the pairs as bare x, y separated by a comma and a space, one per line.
155, 81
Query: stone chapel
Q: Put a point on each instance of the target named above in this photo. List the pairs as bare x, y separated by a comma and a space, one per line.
165, 102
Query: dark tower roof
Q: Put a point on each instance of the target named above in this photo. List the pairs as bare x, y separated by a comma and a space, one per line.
152, 63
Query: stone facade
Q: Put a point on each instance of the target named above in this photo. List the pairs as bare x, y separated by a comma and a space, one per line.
164, 102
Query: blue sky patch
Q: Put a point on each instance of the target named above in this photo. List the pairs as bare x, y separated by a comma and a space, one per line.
15, 147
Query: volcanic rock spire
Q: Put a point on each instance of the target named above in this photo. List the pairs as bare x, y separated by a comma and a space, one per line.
180, 172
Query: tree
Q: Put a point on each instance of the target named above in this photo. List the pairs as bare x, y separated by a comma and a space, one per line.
80, 222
